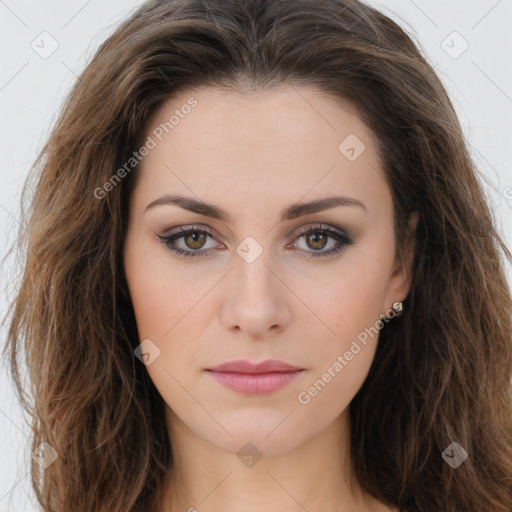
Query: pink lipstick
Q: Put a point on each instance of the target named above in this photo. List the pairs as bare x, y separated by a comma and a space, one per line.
255, 378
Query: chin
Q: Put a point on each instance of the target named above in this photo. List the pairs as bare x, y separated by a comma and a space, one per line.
269, 434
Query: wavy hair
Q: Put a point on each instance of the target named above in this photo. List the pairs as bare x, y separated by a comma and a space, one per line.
442, 371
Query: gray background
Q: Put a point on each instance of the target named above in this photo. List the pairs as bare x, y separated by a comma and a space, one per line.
34, 84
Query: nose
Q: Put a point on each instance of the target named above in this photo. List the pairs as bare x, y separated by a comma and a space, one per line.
256, 298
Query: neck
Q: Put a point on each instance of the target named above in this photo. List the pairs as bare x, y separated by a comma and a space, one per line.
317, 475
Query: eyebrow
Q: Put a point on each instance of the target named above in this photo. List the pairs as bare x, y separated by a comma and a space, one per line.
291, 212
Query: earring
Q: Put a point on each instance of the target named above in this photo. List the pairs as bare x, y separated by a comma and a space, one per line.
398, 307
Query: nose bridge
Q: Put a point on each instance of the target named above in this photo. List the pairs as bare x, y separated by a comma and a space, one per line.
252, 275
255, 300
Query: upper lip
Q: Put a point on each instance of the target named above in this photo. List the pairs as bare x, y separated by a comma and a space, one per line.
244, 366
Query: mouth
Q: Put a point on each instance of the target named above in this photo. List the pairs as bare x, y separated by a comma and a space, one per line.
255, 378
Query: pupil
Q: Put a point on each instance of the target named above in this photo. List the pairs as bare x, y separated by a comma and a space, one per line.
196, 237
316, 237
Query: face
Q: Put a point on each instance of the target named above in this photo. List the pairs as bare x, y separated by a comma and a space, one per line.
263, 278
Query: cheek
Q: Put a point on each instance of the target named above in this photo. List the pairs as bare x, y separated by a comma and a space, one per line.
344, 302
342, 336
169, 307
342, 355
167, 312
160, 295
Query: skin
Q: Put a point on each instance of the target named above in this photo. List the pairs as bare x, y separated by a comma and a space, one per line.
252, 155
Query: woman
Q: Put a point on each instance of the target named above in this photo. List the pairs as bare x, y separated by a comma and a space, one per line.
261, 274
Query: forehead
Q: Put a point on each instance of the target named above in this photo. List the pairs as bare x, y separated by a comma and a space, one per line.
287, 143
287, 115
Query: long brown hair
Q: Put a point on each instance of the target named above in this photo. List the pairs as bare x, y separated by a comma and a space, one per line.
442, 371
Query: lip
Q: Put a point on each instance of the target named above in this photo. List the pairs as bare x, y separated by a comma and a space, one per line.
255, 378
245, 366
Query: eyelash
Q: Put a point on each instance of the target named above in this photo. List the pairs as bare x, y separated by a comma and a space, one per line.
341, 238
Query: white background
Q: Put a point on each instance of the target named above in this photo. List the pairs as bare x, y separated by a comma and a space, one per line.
32, 90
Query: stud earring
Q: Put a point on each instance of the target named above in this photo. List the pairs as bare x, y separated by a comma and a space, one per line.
398, 308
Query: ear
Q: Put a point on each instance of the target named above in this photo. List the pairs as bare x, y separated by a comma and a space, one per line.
401, 276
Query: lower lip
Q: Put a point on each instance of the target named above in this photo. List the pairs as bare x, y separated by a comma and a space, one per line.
255, 383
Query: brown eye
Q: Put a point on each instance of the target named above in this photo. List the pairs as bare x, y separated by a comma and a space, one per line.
188, 243
194, 239
316, 240
312, 241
